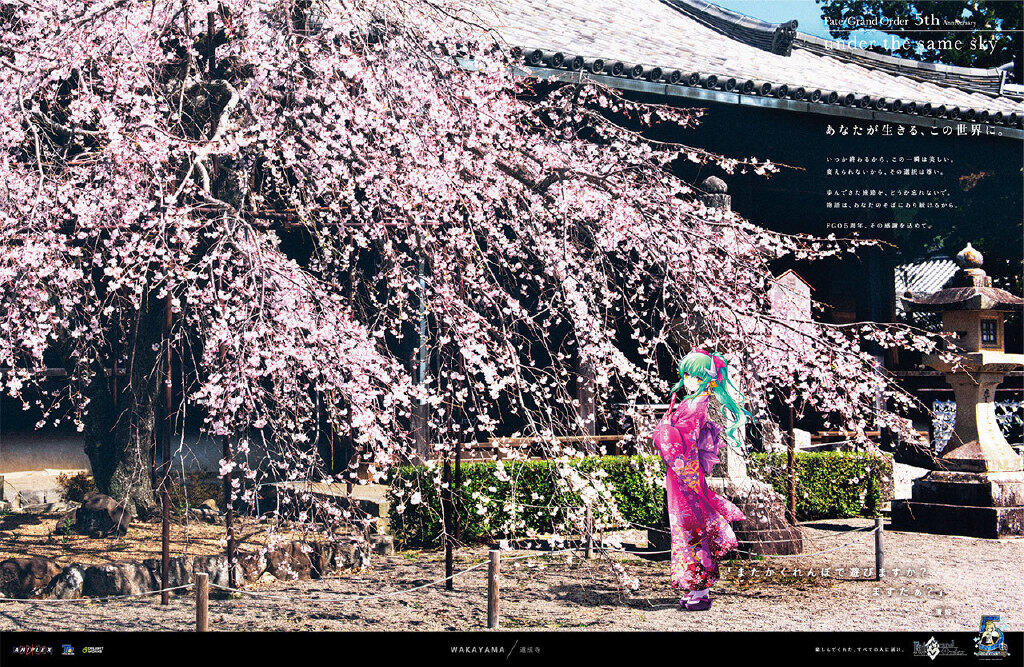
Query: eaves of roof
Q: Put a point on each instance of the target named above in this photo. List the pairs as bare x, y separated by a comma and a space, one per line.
693, 49
783, 37
781, 96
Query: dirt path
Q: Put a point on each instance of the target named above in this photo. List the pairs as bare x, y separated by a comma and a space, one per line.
963, 578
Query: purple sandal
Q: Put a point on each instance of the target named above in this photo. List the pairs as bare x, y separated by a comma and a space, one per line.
700, 604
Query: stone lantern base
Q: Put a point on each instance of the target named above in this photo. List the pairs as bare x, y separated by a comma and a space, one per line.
979, 489
976, 504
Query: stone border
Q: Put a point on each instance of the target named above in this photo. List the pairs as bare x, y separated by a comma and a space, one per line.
38, 577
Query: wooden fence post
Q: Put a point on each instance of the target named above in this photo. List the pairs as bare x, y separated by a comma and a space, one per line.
493, 572
165, 424
202, 601
446, 517
457, 482
879, 543
791, 465
589, 527
229, 514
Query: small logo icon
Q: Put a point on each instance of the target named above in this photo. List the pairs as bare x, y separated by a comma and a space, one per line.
67, 649
929, 649
990, 642
933, 648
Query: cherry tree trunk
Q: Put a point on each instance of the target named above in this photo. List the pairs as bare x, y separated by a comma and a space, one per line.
120, 431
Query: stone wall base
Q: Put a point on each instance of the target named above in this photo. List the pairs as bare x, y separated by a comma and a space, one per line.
40, 578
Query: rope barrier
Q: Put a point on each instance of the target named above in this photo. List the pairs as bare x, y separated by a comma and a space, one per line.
816, 553
627, 551
851, 530
38, 600
363, 598
667, 532
867, 530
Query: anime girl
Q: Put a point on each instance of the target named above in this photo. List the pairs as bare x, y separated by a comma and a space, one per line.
688, 442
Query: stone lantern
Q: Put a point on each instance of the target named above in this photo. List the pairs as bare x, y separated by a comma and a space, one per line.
979, 488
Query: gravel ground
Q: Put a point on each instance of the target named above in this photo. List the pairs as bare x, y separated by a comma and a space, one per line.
962, 579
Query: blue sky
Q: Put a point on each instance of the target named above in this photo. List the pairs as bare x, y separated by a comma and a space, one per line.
806, 12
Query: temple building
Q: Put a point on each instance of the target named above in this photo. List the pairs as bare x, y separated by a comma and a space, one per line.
923, 156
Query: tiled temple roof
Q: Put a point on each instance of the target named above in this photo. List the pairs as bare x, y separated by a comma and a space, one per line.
923, 276
690, 48
785, 37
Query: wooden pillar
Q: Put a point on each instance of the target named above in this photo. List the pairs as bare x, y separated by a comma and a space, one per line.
791, 464
493, 587
165, 426
589, 537
457, 481
446, 518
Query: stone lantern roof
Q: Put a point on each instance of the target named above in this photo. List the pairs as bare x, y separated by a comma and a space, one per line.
971, 289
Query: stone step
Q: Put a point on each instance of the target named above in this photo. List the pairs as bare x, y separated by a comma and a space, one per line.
370, 499
970, 489
33, 488
967, 520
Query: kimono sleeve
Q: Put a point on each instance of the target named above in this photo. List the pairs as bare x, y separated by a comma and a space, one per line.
687, 471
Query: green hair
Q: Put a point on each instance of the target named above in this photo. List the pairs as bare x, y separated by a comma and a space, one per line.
702, 366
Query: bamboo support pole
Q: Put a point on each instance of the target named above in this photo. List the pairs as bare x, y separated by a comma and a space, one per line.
493, 588
879, 548
589, 527
165, 439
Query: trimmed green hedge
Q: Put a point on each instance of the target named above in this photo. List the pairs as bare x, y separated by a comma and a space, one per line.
635, 482
829, 485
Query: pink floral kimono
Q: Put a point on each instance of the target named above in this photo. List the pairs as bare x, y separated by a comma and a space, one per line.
699, 519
